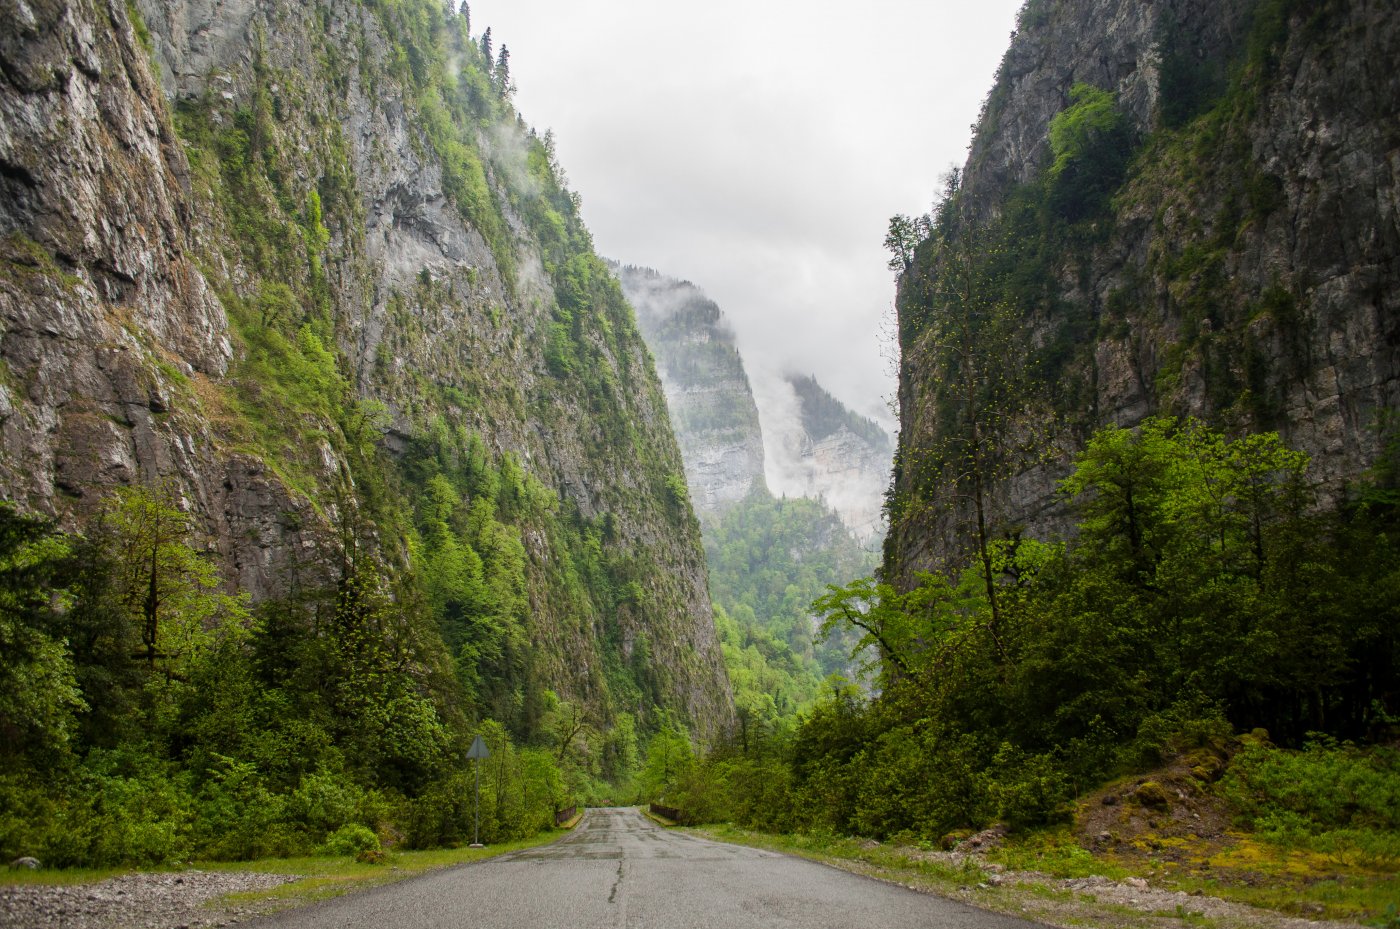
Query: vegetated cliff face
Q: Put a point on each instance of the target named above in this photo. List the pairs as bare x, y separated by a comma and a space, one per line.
707, 390
292, 258
1238, 262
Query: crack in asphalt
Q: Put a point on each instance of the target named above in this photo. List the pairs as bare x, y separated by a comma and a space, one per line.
612, 894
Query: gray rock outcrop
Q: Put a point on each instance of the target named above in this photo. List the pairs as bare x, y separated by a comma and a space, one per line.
707, 388
1246, 270
121, 265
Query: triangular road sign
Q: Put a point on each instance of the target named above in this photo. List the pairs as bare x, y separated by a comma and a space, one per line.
478, 749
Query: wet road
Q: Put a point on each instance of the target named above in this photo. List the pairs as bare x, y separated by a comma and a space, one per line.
618, 870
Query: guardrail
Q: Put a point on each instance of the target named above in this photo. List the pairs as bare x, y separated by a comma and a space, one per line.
666, 812
563, 816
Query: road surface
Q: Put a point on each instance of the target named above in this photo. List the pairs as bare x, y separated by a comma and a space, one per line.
618, 870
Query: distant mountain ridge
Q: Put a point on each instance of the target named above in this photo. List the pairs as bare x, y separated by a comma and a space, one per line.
808, 444
834, 454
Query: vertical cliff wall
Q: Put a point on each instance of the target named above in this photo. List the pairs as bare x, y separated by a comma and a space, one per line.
293, 260
810, 444
1208, 226
707, 389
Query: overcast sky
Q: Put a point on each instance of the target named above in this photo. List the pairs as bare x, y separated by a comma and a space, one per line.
758, 148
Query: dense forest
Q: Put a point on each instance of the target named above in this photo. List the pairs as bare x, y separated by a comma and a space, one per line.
769, 559
1204, 594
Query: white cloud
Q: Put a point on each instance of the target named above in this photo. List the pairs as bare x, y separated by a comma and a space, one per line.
758, 148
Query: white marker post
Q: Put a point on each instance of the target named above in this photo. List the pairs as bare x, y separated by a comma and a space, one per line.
478, 753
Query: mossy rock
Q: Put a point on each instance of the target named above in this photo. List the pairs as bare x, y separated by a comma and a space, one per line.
1152, 795
952, 839
1206, 766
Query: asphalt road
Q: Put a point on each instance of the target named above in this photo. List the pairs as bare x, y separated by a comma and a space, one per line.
618, 870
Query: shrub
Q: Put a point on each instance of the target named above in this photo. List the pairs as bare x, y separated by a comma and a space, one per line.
352, 839
1331, 797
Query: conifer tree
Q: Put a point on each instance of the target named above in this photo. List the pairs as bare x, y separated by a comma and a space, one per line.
503, 85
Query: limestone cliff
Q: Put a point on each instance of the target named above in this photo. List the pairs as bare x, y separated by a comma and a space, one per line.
707, 389
829, 452
292, 259
1209, 226
809, 444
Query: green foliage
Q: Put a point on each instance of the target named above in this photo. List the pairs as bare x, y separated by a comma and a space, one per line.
670, 763
1188, 85
768, 560
1202, 593
677, 494
167, 589
350, 839
306, 729
39, 693
1090, 142
1331, 797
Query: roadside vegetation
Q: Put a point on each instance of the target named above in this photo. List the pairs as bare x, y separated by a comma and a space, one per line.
151, 714
1197, 687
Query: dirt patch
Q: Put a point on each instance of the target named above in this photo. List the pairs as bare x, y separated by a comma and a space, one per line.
1170, 814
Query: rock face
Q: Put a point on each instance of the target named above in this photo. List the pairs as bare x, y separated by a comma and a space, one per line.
227, 160
810, 444
1245, 269
109, 323
826, 451
707, 390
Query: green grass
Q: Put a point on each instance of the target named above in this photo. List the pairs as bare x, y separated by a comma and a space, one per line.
325, 877
895, 862
1054, 852
1295, 881
64, 876
320, 877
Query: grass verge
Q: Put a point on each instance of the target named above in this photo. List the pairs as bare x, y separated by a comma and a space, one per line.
1026, 878
659, 820
322, 878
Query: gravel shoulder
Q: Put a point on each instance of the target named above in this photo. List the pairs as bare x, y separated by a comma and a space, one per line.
164, 900
197, 898
1094, 902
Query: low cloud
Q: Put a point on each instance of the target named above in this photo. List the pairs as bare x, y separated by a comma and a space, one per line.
761, 147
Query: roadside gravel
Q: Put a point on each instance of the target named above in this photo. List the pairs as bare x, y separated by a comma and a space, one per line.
1105, 902
134, 901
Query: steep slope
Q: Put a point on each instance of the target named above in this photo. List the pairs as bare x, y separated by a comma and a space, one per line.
831, 453
707, 390
319, 281
768, 558
1176, 207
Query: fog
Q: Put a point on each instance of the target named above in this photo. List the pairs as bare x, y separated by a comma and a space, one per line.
759, 149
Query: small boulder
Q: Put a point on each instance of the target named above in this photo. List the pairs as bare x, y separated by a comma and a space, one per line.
954, 838
1152, 795
31, 864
